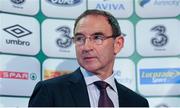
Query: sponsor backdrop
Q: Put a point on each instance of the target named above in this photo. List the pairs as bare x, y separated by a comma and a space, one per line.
35, 44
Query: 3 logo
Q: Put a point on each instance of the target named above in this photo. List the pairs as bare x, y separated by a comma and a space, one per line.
160, 38
65, 40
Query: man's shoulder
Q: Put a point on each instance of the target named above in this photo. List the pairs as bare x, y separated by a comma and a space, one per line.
131, 96
126, 90
61, 80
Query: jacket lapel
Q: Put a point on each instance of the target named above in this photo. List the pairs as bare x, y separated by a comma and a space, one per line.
120, 95
78, 89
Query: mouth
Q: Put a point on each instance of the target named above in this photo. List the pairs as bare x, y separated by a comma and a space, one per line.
89, 58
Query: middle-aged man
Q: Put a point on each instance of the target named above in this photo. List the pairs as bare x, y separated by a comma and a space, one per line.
97, 39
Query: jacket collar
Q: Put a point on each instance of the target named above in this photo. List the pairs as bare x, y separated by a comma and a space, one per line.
78, 89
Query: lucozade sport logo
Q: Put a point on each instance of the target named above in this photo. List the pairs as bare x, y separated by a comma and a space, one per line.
160, 76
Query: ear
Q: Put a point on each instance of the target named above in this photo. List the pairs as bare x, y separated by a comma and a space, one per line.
118, 44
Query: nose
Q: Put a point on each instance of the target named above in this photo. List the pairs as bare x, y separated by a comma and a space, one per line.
88, 45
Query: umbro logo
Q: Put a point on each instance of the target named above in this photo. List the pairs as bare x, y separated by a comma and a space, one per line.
17, 31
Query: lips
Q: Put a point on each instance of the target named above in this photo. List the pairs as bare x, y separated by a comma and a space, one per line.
89, 58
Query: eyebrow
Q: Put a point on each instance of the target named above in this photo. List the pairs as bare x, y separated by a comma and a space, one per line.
78, 34
97, 33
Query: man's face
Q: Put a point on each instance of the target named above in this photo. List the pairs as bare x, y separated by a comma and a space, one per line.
97, 58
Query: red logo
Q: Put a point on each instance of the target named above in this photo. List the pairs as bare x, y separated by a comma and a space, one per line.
14, 75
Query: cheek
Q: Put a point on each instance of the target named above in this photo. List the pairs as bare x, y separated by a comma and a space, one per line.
78, 52
106, 52
79, 57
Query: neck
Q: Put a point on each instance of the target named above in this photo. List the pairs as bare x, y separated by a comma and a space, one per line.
104, 74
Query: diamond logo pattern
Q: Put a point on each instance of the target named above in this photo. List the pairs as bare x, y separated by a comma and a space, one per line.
17, 31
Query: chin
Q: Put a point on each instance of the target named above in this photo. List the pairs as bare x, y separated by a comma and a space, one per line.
90, 68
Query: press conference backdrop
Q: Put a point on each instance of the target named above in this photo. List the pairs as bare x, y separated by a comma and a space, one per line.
35, 44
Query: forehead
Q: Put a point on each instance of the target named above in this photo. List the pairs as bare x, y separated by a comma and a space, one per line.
93, 23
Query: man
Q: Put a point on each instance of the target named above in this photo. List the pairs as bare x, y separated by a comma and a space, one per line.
97, 39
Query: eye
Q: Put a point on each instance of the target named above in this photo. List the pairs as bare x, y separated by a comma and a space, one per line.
98, 37
79, 38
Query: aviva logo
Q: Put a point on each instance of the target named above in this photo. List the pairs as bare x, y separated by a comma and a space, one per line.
143, 2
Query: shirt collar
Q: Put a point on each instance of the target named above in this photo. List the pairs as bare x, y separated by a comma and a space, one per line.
90, 78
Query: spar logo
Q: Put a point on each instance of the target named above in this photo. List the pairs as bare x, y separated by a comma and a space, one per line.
17, 31
64, 2
143, 2
17, 75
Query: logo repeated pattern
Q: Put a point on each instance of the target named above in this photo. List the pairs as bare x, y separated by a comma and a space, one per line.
18, 75
158, 37
119, 8
24, 7
148, 62
63, 8
158, 74
157, 8
20, 35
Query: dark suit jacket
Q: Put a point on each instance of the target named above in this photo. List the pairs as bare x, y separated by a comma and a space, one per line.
71, 91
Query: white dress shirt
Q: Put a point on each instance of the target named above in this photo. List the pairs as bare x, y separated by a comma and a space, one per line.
93, 91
